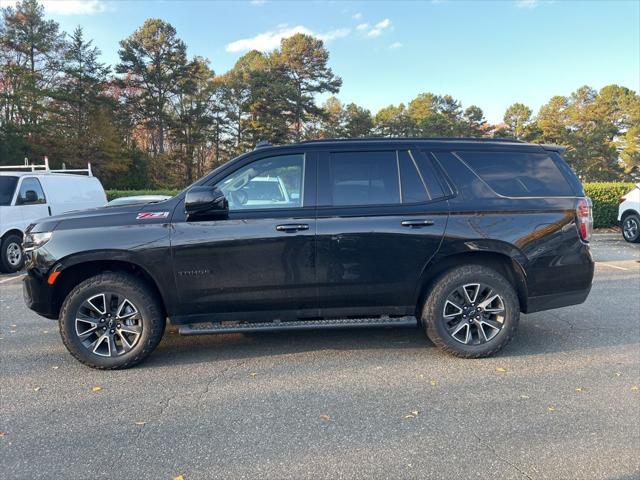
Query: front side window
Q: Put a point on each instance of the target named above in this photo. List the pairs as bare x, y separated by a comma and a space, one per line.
274, 182
31, 192
364, 178
7, 189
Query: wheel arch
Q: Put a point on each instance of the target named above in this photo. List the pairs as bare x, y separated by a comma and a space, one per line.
12, 231
627, 212
77, 270
510, 267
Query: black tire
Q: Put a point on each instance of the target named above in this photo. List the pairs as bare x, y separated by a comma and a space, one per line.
631, 228
447, 287
113, 285
10, 247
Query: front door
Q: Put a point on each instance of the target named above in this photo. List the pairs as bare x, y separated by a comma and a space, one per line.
261, 257
381, 217
31, 200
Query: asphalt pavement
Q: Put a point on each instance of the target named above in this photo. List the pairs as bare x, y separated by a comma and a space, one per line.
561, 401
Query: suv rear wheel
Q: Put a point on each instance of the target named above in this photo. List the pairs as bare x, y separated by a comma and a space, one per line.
631, 228
471, 311
111, 321
11, 257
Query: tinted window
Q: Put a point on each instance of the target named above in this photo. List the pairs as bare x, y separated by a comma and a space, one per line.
518, 174
413, 190
30, 192
428, 173
7, 189
274, 182
364, 178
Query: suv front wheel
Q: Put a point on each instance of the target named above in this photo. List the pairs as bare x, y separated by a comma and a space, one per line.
471, 311
111, 321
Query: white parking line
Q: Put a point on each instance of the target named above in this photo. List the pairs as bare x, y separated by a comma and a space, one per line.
12, 278
612, 266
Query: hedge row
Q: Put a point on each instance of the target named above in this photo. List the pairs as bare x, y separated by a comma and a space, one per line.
111, 194
604, 195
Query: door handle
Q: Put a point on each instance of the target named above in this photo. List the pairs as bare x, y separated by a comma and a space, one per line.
416, 223
292, 227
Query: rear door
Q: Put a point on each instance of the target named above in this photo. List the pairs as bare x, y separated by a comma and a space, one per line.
381, 217
31, 200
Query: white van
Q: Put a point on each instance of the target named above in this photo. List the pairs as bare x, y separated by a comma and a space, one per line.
28, 196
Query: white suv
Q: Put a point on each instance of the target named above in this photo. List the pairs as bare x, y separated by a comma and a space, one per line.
27, 196
629, 215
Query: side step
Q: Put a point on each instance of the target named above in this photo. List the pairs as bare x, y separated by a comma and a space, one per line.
213, 328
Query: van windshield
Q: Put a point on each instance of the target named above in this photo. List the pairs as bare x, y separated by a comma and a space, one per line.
7, 188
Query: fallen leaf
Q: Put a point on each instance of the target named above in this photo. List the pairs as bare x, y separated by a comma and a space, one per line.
433, 383
2, 434
96, 389
55, 368
45, 331
14, 326
634, 388
253, 374
551, 408
524, 397
501, 370
326, 418
578, 389
12, 331
140, 423
179, 477
37, 389
415, 413
618, 374
409, 416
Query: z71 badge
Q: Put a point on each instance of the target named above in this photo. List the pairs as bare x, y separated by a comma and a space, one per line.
151, 215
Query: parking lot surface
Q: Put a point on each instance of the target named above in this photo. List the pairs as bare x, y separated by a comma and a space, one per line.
561, 401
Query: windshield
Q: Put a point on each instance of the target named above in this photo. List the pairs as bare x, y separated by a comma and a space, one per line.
7, 188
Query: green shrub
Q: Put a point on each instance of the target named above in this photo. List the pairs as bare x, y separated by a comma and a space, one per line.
605, 197
111, 194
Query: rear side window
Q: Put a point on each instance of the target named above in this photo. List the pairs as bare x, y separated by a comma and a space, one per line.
413, 188
364, 178
514, 174
7, 189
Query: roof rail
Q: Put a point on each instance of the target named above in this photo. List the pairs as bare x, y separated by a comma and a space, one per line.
45, 168
262, 144
465, 139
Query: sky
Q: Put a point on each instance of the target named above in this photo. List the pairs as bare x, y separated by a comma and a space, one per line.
487, 53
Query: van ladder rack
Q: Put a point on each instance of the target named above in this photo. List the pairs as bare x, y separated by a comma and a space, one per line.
44, 168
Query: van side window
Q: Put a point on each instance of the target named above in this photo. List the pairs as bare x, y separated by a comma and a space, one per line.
518, 174
364, 178
30, 192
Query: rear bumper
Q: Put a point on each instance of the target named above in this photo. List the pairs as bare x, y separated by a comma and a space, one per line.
557, 300
38, 295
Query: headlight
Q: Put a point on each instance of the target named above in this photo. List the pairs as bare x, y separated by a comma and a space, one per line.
33, 241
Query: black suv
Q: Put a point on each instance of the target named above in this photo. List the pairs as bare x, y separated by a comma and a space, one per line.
456, 235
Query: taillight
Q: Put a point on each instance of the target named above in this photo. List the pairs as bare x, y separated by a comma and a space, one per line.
622, 199
584, 218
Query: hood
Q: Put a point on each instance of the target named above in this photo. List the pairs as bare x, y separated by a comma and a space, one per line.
105, 216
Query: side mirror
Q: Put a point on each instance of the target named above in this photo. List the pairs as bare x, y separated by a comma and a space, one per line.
205, 201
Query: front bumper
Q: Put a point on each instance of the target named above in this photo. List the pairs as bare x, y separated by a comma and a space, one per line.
38, 295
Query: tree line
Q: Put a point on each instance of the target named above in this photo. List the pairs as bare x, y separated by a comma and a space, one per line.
160, 119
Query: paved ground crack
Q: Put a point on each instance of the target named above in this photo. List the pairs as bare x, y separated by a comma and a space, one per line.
502, 459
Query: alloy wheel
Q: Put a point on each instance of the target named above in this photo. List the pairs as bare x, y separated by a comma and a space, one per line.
108, 324
630, 228
14, 254
474, 314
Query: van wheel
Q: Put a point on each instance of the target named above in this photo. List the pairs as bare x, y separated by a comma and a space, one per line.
631, 228
111, 321
12, 258
471, 311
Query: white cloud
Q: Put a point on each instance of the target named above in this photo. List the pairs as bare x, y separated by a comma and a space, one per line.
357, 16
526, 3
376, 31
270, 40
395, 45
362, 26
67, 7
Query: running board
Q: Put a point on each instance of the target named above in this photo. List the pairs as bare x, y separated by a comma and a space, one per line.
204, 329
